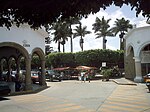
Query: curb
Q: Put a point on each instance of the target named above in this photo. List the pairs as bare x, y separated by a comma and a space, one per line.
29, 91
133, 84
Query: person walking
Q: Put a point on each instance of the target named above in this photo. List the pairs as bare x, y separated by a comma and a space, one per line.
90, 73
79, 76
84, 77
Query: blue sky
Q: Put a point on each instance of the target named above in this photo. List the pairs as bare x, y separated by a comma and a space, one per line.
112, 13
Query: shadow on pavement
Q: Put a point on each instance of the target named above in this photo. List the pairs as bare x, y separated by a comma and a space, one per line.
2, 99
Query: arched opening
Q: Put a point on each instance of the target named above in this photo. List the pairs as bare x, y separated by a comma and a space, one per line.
38, 65
145, 59
3, 69
14, 54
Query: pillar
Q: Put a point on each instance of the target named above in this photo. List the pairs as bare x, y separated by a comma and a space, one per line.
18, 66
43, 82
138, 78
28, 85
1, 66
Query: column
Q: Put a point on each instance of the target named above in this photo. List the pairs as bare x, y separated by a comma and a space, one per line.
18, 66
138, 78
43, 72
1, 66
28, 85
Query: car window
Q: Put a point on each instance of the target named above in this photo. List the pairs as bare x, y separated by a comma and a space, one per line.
50, 71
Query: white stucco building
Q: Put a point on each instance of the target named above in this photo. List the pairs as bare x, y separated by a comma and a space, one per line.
137, 55
23, 42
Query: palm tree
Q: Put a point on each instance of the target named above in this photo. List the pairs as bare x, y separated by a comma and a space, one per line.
81, 31
121, 26
61, 33
71, 21
101, 28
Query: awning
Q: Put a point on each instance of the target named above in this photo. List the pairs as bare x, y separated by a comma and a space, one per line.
85, 68
62, 68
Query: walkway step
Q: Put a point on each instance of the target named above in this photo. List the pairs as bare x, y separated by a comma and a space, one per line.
123, 81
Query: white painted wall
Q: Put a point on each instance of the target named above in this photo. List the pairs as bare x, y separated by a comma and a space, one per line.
34, 38
138, 38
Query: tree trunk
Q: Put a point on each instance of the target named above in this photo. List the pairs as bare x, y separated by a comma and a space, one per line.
58, 46
63, 48
71, 41
81, 43
104, 43
71, 44
82, 47
121, 40
122, 44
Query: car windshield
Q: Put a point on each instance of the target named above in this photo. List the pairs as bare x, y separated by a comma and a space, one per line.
51, 72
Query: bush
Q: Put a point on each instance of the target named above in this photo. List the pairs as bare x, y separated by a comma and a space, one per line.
88, 58
106, 74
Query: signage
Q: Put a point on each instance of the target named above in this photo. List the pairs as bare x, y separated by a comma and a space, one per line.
25, 43
103, 64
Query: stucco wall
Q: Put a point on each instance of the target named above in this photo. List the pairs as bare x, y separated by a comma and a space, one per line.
24, 36
138, 38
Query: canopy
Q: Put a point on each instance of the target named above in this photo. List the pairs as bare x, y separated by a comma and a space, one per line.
62, 68
85, 68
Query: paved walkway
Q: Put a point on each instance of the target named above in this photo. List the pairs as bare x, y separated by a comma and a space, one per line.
127, 98
76, 96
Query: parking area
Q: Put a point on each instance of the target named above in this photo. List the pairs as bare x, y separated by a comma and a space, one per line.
77, 96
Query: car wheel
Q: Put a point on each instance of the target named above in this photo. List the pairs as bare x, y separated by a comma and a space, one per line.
59, 80
33, 82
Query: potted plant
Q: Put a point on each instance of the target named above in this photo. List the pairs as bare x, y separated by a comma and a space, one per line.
106, 74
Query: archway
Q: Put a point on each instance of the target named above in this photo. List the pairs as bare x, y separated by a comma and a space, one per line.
39, 54
13, 51
145, 59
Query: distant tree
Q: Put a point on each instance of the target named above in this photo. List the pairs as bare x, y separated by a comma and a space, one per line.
81, 31
71, 21
121, 26
61, 33
102, 29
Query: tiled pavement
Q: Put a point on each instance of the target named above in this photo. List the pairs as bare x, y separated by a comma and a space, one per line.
41, 103
127, 99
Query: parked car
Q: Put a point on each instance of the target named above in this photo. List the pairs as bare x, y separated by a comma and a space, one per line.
146, 77
4, 88
34, 76
148, 83
53, 75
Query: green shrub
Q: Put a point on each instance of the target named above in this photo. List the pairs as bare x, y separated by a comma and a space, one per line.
88, 58
106, 73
